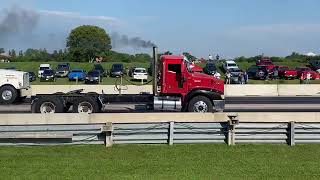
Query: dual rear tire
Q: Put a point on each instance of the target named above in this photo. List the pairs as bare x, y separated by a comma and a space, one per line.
49, 105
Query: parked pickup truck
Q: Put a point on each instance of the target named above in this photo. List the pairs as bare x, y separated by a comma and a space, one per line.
266, 62
285, 73
314, 75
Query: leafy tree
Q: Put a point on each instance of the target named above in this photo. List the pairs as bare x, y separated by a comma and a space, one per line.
85, 42
167, 53
189, 56
142, 58
13, 53
20, 53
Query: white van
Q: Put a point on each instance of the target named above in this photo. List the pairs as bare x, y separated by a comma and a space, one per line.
42, 68
229, 65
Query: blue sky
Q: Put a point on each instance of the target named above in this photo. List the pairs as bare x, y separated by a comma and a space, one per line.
231, 27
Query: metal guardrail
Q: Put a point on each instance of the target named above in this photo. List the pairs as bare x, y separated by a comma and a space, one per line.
161, 130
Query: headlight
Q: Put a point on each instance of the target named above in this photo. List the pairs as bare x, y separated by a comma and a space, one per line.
51, 76
96, 78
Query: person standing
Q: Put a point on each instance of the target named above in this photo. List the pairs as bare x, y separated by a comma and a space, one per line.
240, 78
210, 57
228, 77
302, 78
246, 77
217, 75
308, 77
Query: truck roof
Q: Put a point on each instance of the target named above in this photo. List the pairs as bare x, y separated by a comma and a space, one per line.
172, 57
230, 62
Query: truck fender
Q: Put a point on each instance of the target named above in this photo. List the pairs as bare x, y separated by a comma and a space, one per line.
213, 96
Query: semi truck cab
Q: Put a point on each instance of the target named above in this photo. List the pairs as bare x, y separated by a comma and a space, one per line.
196, 92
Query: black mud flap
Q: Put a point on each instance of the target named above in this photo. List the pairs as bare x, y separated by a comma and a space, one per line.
219, 105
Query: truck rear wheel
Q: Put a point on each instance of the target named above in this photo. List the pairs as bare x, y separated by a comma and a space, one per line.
8, 94
200, 104
47, 105
86, 106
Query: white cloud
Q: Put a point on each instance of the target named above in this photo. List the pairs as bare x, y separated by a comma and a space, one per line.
74, 15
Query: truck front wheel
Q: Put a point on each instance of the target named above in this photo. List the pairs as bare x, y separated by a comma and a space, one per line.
200, 104
86, 106
8, 94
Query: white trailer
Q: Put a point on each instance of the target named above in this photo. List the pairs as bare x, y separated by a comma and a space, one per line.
11, 85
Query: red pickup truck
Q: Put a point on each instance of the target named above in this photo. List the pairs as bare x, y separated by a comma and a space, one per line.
285, 73
266, 62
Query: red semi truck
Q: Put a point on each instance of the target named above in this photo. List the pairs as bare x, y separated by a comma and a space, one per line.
176, 87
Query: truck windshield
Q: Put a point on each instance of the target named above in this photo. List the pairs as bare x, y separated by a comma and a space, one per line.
62, 67
232, 65
139, 71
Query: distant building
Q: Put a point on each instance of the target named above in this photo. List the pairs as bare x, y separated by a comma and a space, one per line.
4, 57
311, 54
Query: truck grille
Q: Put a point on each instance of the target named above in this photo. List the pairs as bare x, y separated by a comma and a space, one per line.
26, 83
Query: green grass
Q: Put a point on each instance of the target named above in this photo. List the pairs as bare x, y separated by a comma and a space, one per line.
161, 162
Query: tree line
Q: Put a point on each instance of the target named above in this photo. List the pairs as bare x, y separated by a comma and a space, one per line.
294, 57
63, 55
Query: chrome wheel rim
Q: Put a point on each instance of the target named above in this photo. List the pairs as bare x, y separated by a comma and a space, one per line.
6, 95
85, 108
200, 106
47, 108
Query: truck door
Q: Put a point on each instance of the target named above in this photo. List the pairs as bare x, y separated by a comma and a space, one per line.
175, 81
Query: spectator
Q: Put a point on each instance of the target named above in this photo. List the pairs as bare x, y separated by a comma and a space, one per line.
246, 77
228, 77
308, 77
275, 74
217, 75
302, 79
210, 57
217, 57
241, 78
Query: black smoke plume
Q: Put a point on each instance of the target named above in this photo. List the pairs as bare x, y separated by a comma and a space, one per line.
119, 41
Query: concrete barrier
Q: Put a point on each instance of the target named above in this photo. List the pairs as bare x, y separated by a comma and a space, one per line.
251, 90
299, 90
166, 128
44, 119
69, 118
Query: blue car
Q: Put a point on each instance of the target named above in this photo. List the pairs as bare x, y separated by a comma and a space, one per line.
79, 74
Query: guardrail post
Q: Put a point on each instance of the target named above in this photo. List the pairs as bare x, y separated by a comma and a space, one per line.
108, 131
291, 134
232, 129
171, 133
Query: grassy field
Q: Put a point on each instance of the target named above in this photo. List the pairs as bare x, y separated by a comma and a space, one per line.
161, 162
33, 66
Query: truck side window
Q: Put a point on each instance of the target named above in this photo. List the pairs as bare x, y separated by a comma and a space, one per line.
175, 68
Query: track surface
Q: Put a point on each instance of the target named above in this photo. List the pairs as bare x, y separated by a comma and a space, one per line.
234, 104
